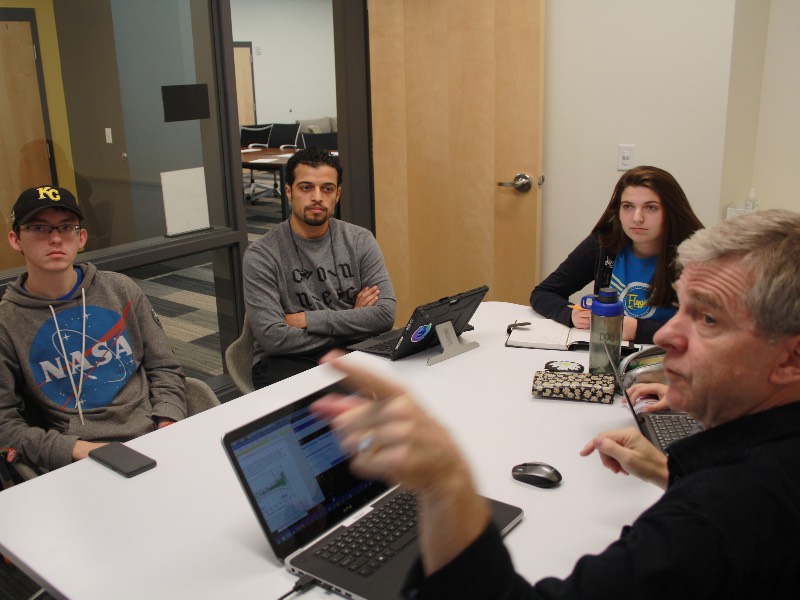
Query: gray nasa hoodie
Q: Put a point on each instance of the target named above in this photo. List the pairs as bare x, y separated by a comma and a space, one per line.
127, 377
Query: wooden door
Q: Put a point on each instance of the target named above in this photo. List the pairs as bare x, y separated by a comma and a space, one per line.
456, 89
245, 93
25, 159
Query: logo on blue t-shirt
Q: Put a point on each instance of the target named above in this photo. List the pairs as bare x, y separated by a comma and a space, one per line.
108, 360
634, 300
421, 332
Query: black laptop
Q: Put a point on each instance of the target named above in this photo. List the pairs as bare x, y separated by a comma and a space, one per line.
420, 331
355, 536
660, 428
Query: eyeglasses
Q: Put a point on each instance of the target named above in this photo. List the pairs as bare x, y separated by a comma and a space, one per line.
43, 231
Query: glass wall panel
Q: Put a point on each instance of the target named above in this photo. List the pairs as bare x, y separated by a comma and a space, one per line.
127, 100
187, 294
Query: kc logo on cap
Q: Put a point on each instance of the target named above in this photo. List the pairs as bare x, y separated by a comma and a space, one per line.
35, 199
53, 193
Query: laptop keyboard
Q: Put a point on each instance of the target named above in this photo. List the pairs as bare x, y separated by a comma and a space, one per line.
385, 346
670, 428
375, 539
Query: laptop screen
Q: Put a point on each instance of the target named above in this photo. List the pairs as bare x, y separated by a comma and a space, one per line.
295, 474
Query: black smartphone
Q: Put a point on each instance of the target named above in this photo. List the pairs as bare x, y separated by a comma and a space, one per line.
125, 461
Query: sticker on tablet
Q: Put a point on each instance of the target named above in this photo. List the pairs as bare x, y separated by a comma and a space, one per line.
421, 332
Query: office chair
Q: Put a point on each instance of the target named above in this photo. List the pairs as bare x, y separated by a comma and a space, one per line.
239, 359
199, 396
254, 136
323, 141
283, 135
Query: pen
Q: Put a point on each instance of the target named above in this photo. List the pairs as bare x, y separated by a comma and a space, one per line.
514, 325
578, 306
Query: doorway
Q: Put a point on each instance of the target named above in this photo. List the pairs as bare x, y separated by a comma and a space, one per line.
26, 157
456, 104
245, 83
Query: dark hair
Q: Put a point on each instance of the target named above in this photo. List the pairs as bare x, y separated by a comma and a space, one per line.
313, 157
679, 223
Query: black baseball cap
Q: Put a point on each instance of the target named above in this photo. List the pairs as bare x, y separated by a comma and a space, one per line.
35, 199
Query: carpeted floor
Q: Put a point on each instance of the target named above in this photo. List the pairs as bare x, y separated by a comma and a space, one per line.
185, 301
15, 585
262, 216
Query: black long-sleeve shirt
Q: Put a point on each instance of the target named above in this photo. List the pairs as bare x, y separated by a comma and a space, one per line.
727, 527
586, 263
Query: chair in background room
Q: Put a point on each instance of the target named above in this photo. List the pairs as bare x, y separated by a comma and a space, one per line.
320, 125
255, 136
239, 359
282, 136
322, 141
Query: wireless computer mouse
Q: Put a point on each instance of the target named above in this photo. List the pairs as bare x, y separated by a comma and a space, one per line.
536, 473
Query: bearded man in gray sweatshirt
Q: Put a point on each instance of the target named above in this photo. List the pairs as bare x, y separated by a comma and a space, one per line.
83, 358
314, 282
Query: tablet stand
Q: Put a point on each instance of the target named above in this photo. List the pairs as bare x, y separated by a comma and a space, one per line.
451, 345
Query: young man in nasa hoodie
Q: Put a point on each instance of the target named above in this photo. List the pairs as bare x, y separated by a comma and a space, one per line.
83, 358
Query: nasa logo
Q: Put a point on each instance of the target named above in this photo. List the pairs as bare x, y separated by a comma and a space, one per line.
108, 360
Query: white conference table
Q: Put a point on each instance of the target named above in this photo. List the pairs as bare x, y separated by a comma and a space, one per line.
186, 530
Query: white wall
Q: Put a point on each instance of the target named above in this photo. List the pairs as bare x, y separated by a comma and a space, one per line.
777, 160
682, 80
650, 73
295, 75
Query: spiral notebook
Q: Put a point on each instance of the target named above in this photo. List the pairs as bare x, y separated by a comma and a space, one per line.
547, 334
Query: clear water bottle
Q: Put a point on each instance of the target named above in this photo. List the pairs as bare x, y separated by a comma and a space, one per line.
751, 203
606, 326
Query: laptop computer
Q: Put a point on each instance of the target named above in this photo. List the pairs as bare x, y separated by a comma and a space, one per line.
660, 428
312, 509
420, 331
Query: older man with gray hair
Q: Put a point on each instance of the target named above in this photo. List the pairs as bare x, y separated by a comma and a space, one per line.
730, 514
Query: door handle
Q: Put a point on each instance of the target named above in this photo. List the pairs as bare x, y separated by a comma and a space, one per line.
521, 183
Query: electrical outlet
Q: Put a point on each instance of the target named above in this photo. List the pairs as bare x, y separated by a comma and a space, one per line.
625, 158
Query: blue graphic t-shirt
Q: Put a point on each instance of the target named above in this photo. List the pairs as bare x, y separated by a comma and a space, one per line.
631, 279
99, 366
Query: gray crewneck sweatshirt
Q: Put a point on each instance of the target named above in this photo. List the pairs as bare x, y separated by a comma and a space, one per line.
286, 273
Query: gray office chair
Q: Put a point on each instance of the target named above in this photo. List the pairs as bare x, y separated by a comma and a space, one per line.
25, 471
239, 359
199, 396
255, 136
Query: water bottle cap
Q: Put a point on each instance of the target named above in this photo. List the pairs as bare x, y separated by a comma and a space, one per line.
607, 295
606, 303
